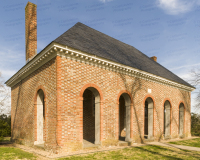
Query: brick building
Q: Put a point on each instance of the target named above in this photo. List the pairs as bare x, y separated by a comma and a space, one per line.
88, 87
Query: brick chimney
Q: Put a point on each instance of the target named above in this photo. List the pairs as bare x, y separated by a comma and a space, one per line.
31, 30
154, 58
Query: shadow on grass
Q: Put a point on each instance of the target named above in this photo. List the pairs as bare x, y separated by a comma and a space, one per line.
143, 152
192, 142
185, 152
5, 140
160, 149
165, 149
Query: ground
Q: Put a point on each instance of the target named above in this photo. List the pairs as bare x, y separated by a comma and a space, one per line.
193, 142
162, 150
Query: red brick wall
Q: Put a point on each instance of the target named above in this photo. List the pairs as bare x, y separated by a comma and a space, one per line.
70, 78
24, 106
76, 75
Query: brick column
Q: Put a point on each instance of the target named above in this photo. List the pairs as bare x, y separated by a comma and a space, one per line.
128, 118
81, 118
117, 121
59, 96
131, 117
101, 121
97, 123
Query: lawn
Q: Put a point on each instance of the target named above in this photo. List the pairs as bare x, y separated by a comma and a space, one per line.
144, 152
8, 153
191, 142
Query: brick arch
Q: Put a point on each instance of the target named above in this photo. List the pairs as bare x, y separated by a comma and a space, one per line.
91, 85
179, 115
124, 91
100, 131
35, 110
167, 99
129, 137
149, 96
44, 91
180, 104
154, 104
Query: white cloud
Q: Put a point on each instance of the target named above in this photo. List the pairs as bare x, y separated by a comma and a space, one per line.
186, 76
185, 66
104, 1
6, 73
175, 7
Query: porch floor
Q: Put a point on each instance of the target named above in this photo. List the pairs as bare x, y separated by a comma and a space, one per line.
87, 144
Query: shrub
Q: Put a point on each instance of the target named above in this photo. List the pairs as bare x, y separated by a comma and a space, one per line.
1, 138
5, 126
195, 124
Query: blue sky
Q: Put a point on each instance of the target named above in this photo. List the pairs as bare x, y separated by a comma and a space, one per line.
167, 29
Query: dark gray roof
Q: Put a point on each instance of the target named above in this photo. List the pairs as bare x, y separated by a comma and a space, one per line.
89, 40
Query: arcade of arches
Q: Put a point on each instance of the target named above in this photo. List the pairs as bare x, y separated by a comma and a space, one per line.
91, 117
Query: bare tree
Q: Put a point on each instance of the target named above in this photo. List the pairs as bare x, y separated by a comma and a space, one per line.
195, 81
4, 98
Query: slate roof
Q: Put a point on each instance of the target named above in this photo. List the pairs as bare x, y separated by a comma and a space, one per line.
89, 40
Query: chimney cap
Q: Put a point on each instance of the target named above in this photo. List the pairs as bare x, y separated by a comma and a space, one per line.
154, 58
30, 3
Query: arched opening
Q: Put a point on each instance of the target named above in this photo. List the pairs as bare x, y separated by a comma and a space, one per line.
91, 115
124, 117
167, 119
181, 119
40, 117
148, 119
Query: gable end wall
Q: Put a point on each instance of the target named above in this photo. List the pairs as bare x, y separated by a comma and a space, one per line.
24, 106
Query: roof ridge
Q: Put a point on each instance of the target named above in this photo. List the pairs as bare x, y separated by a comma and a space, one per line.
66, 31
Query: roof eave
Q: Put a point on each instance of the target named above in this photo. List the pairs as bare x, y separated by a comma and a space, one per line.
55, 49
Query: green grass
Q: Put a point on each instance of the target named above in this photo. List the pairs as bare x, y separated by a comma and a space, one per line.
191, 142
145, 152
6, 139
8, 153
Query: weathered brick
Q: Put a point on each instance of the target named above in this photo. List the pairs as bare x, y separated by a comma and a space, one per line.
64, 89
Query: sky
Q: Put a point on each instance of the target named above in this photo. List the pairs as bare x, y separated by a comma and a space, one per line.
167, 29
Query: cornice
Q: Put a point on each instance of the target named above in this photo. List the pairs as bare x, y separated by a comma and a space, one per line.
37, 61
55, 49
